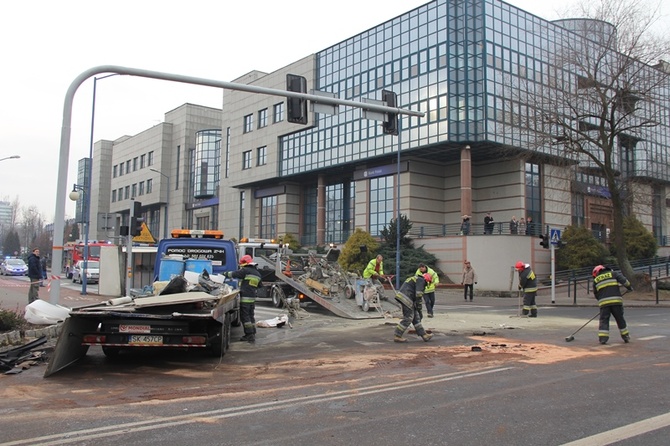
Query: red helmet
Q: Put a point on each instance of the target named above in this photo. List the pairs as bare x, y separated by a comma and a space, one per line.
246, 259
427, 277
520, 266
597, 270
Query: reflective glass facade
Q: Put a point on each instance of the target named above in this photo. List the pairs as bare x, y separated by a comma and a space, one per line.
207, 164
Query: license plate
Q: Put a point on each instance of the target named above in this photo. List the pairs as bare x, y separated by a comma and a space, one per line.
145, 340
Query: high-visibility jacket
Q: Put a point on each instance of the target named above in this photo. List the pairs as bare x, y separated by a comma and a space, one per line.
373, 269
527, 280
432, 285
606, 287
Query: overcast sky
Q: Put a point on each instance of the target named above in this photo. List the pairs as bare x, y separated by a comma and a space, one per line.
46, 44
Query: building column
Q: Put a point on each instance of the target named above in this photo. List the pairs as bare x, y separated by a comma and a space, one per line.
466, 181
321, 211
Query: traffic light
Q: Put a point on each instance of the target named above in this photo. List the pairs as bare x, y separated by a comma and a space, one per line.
390, 125
137, 221
544, 241
296, 108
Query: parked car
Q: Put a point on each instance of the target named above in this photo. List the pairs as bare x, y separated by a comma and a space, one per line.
92, 271
13, 267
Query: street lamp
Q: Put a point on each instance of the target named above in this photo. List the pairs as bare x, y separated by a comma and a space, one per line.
74, 196
167, 200
13, 157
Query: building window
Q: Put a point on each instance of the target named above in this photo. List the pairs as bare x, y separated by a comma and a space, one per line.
134, 191
150, 160
150, 186
309, 216
202, 222
141, 189
119, 196
268, 226
261, 156
114, 171
533, 199
127, 194
262, 118
278, 113
381, 203
248, 123
128, 166
121, 169
134, 164
176, 175
339, 209
114, 196
243, 198
143, 161
207, 163
246, 160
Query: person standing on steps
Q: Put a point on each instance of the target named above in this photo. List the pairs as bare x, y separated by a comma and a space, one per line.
527, 283
488, 224
606, 289
249, 278
409, 297
429, 292
465, 225
514, 226
469, 280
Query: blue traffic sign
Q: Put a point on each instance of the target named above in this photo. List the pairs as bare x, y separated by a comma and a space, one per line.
554, 236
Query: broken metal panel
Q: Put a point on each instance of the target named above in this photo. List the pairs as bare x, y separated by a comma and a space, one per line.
68, 347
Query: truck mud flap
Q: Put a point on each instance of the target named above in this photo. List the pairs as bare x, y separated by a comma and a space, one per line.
68, 347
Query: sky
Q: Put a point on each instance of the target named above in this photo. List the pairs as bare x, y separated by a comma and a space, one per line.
46, 44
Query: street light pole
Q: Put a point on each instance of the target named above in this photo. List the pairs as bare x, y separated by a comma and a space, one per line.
167, 201
13, 157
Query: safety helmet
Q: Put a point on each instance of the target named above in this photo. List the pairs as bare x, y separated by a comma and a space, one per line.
597, 270
427, 277
246, 259
520, 266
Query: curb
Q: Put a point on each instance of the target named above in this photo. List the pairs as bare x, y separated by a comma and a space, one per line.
17, 337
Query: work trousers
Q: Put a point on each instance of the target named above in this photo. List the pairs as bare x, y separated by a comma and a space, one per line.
33, 292
429, 299
410, 315
529, 304
247, 316
466, 287
604, 328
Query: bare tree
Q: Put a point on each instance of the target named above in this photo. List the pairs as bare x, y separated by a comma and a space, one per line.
32, 225
602, 99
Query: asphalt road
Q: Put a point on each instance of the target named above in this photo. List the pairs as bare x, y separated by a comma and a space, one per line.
333, 381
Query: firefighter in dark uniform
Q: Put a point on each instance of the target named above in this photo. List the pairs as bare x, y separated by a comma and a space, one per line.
527, 283
249, 279
409, 296
606, 290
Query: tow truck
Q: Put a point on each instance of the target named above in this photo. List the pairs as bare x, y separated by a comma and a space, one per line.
185, 320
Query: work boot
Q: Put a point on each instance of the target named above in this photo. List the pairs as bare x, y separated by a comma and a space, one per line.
603, 339
399, 339
248, 338
430, 314
626, 338
427, 337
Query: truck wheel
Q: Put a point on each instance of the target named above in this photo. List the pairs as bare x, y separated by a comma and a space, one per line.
111, 352
276, 297
216, 333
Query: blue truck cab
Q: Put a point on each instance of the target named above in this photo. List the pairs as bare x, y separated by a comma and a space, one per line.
198, 245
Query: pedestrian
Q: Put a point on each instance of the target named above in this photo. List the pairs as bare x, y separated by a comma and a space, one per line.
249, 278
429, 291
527, 283
43, 267
513, 226
530, 226
522, 226
35, 275
488, 224
375, 268
409, 296
606, 290
469, 280
465, 225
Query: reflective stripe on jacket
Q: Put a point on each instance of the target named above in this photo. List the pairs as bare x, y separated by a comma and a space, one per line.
606, 287
249, 278
528, 281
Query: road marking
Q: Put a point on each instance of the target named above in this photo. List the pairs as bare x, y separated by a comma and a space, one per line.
197, 417
624, 432
649, 338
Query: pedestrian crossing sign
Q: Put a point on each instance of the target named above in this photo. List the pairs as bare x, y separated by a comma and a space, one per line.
554, 236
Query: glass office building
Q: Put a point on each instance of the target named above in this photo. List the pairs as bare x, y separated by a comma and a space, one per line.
476, 68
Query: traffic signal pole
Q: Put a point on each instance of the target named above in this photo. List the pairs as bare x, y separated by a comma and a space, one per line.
553, 273
129, 247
